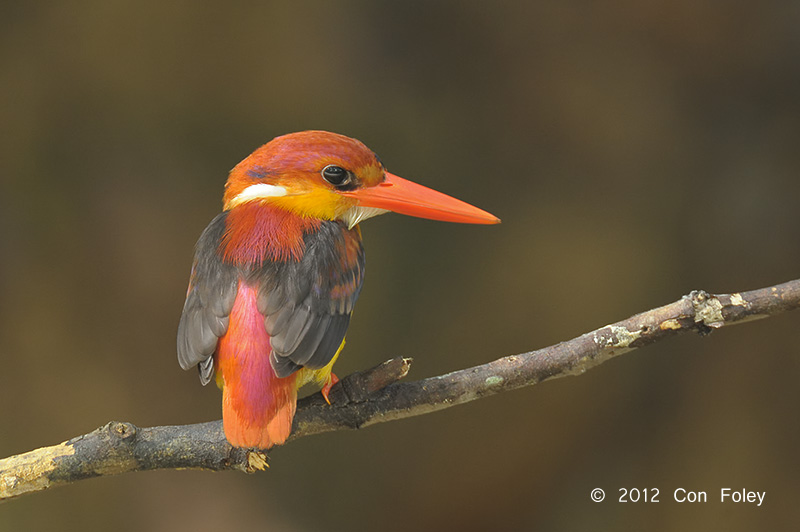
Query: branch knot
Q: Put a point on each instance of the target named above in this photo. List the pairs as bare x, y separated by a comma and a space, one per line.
707, 310
121, 429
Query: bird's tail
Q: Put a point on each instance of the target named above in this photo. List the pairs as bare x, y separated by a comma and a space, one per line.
257, 405
262, 429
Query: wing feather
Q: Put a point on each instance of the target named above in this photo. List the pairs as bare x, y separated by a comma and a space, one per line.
306, 303
209, 300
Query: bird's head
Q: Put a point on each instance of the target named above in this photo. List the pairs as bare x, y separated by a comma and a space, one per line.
329, 176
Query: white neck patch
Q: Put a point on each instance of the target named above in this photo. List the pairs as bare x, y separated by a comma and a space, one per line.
354, 215
258, 191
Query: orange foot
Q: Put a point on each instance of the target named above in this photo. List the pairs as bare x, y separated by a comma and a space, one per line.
333, 379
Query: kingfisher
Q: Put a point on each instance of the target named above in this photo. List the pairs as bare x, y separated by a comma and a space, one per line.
276, 274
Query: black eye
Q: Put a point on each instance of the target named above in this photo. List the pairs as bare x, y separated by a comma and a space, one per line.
335, 175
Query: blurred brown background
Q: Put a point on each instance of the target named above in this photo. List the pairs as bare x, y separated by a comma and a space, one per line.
634, 150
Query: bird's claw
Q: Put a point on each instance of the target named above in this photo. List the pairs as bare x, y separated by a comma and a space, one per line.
333, 379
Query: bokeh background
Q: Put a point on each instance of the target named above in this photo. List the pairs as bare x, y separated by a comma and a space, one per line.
634, 150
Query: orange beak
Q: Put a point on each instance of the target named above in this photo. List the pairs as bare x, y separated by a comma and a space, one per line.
406, 197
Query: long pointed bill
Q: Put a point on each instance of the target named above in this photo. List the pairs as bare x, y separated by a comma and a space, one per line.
406, 197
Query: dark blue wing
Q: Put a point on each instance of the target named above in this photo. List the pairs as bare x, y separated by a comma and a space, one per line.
209, 300
306, 304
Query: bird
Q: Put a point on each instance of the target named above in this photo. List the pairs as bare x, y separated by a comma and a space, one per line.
276, 274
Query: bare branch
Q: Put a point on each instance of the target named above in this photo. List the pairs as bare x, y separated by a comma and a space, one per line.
374, 396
